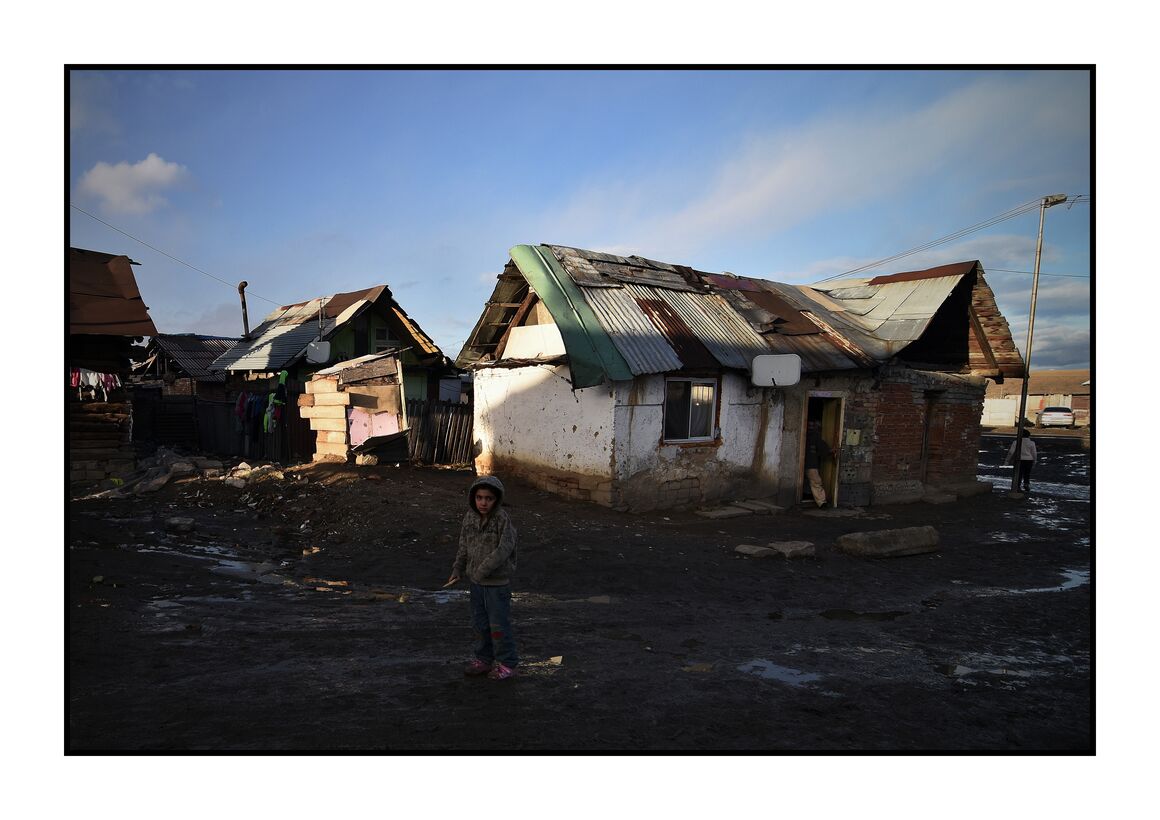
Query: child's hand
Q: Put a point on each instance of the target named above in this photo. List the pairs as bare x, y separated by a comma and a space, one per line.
452, 581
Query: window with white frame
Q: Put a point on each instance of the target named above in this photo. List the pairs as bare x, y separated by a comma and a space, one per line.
690, 409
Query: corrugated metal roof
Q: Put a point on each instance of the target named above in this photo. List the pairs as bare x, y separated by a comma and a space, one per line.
633, 333
664, 318
194, 353
283, 336
274, 348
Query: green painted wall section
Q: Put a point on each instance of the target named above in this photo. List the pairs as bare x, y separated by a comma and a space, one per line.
592, 357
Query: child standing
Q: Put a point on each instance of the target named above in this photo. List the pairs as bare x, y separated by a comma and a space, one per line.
487, 553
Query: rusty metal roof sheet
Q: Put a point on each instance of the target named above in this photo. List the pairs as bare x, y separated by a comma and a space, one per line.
663, 317
103, 298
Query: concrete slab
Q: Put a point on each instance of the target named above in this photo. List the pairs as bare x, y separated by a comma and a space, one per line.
760, 506
724, 512
936, 497
836, 512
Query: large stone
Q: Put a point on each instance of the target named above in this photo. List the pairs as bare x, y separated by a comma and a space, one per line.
933, 496
754, 551
234, 481
154, 480
179, 468
889, 543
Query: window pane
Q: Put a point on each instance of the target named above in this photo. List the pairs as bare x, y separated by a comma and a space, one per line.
677, 410
701, 417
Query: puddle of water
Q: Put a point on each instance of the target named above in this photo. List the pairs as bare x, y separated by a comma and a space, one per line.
851, 615
1072, 578
245, 569
1023, 667
1044, 489
783, 674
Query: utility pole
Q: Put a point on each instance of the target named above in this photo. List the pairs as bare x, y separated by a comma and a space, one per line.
1044, 204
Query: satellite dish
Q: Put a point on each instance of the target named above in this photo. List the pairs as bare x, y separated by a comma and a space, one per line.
781, 370
318, 352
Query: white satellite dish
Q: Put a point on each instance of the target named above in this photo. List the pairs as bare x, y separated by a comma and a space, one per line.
780, 370
318, 352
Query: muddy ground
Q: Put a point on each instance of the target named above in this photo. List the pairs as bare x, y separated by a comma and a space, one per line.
305, 613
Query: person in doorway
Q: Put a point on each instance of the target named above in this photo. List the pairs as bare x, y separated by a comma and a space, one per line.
1026, 460
487, 555
817, 450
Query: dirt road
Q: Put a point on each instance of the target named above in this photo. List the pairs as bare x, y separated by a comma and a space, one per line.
304, 613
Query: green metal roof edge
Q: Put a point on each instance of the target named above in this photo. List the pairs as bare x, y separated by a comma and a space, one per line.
592, 356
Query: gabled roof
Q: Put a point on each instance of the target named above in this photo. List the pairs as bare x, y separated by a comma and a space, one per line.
194, 354
625, 316
283, 336
103, 298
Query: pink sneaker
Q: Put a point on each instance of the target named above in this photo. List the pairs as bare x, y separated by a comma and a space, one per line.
501, 672
477, 667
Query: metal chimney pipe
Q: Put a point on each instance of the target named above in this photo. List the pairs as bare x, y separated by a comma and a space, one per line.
245, 316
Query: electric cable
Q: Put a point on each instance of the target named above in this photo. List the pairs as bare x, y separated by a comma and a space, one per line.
249, 293
1018, 210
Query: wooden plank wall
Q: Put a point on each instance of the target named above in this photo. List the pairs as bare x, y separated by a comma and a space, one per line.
441, 432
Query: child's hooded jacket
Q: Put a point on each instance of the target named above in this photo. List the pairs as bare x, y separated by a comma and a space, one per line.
487, 547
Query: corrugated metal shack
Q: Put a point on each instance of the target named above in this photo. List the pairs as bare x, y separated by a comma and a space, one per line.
626, 380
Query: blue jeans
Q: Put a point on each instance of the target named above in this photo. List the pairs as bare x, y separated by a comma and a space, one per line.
491, 619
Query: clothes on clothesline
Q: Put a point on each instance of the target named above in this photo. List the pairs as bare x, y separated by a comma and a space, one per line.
91, 381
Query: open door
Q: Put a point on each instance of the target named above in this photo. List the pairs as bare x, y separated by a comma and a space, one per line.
828, 411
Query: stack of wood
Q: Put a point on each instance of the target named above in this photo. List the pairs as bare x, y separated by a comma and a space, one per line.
371, 383
99, 440
325, 405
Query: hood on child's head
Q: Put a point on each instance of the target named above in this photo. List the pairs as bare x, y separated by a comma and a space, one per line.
489, 481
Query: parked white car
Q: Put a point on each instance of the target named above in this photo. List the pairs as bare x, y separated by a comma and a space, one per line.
1056, 417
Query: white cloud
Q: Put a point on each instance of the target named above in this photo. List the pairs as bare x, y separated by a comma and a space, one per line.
775, 181
132, 189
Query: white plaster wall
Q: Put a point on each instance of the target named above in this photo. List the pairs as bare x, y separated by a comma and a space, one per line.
534, 341
748, 443
531, 416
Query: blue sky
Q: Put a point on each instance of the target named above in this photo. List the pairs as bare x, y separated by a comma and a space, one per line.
307, 183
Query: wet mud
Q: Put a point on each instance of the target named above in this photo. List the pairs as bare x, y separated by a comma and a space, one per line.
306, 614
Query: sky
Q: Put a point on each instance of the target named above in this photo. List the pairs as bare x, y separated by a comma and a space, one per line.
311, 182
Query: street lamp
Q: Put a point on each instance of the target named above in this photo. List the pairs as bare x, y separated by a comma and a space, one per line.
1044, 204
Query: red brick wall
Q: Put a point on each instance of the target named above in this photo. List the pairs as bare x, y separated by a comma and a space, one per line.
956, 406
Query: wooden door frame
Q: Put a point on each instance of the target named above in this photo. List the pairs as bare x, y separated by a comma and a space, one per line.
831, 483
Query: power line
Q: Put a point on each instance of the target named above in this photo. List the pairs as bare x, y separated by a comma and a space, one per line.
174, 258
1041, 273
1018, 210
